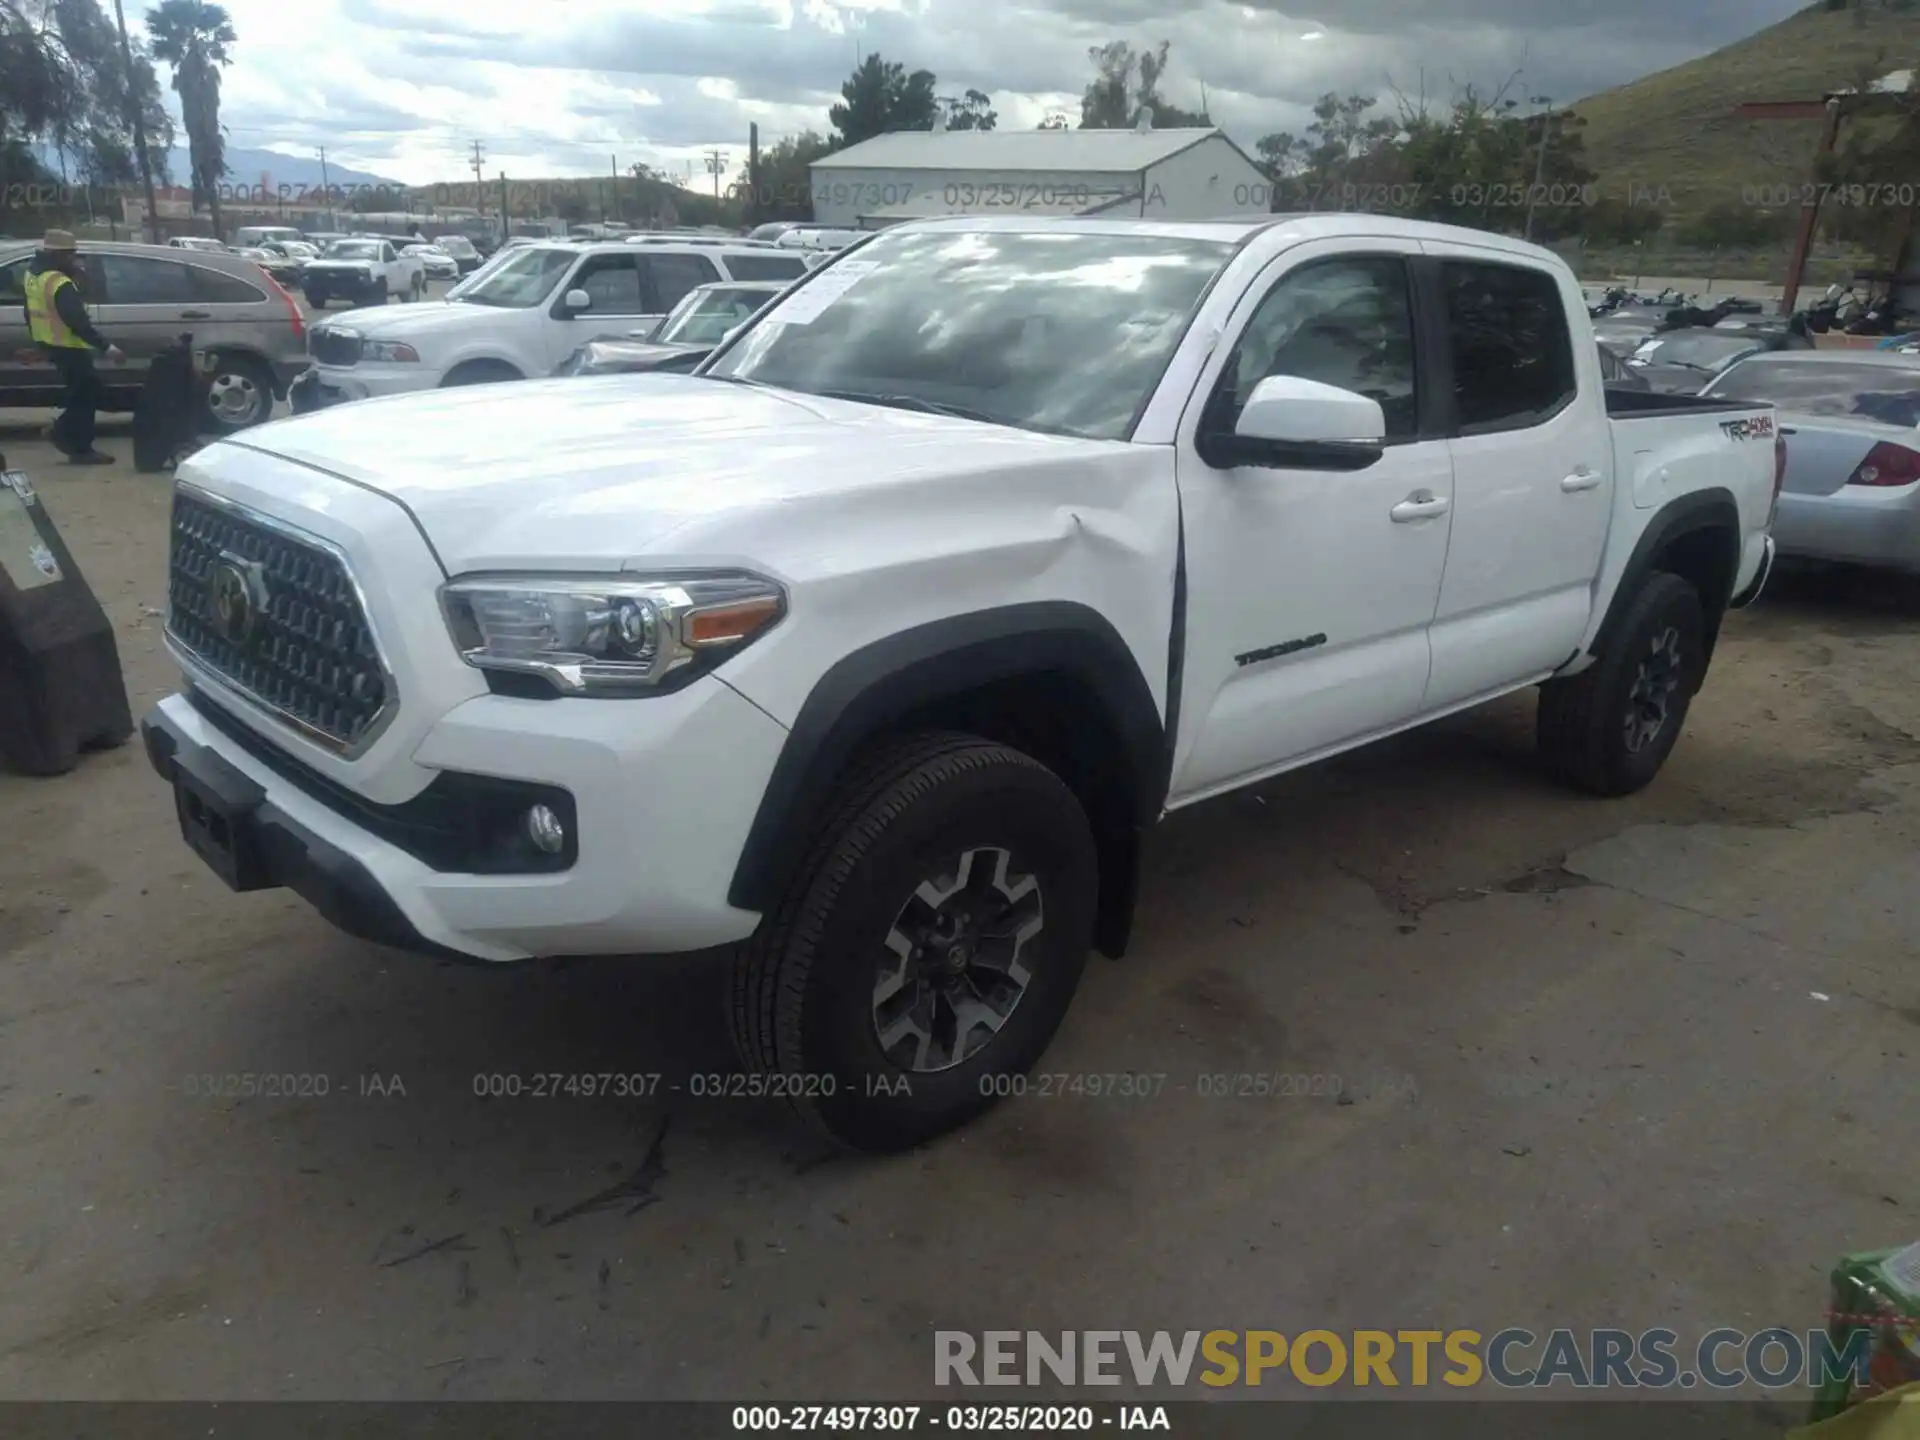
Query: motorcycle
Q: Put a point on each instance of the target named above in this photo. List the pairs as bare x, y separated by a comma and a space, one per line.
1880, 318
1822, 317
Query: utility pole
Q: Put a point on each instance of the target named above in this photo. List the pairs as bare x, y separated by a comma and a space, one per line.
614, 160
505, 225
326, 186
1540, 165
752, 207
479, 180
139, 127
716, 167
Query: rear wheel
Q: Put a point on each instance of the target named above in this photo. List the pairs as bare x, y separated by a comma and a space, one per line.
380, 292
1609, 729
316, 297
240, 393
927, 949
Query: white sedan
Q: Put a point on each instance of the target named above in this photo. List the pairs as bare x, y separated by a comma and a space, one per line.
437, 263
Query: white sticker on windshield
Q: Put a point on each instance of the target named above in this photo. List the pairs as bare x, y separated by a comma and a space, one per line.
812, 300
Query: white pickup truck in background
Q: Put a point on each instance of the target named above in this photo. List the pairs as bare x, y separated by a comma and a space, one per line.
870, 651
365, 270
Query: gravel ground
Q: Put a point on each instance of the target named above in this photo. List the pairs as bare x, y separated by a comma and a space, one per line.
1625, 1064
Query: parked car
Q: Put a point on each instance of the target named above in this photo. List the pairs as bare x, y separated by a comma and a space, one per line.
264, 235
1617, 373
870, 651
1852, 489
1626, 329
284, 270
437, 263
197, 242
143, 298
466, 256
1680, 362
523, 313
682, 340
364, 271
818, 237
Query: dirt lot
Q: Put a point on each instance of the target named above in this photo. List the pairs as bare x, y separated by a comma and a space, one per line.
1609, 1064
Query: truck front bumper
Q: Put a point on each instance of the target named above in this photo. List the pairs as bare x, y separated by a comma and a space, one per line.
658, 793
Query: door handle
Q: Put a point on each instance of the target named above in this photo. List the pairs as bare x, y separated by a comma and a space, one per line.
1421, 505
1581, 479
196, 314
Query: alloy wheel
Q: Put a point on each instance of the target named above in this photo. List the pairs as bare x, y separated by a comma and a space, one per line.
1655, 684
956, 968
234, 398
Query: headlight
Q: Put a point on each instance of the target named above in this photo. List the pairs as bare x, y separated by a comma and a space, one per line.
387, 350
609, 635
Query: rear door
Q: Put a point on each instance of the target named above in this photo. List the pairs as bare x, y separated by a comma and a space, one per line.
146, 303
1533, 473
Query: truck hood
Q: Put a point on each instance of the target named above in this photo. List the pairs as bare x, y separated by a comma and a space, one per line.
577, 473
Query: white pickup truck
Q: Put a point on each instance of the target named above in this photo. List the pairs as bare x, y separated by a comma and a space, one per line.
867, 654
365, 270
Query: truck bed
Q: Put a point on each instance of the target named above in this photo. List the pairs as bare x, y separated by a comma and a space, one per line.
1644, 404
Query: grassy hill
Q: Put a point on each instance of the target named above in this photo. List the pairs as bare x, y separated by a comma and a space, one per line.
1673, 128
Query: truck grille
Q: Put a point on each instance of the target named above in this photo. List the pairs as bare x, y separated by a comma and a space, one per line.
277, 617
333, 347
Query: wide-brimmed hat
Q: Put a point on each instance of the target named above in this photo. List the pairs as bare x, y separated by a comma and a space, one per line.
59, 240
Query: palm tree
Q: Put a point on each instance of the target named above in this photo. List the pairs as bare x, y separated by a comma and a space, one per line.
193, 36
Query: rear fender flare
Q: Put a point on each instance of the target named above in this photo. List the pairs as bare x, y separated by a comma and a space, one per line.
1712, 509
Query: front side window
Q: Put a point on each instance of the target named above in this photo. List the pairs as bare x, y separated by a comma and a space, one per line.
612, 283
705, 316
1512, 352
1345, 322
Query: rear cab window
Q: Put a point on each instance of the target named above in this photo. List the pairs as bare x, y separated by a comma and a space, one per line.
1509, 344
765, 267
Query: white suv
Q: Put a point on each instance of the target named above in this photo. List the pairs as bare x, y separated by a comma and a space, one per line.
524, 314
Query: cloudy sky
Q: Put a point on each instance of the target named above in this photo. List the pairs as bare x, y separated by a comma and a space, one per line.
403, 87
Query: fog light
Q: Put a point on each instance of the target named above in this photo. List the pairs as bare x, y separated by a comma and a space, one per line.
545, 830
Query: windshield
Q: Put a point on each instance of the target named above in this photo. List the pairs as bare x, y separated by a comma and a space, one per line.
1701, 350
1062, 331
705, 316
354, 250
519, 281
1889, 394
455, 245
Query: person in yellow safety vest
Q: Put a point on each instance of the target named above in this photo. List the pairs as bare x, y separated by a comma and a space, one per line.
58, 323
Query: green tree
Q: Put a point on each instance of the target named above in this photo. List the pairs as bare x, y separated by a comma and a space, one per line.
785, 187
196, 38
972, 111
64, 84
880, 96
1733, 226
1126, 79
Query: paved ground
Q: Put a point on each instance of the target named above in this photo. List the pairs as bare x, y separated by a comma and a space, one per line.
1639, 1063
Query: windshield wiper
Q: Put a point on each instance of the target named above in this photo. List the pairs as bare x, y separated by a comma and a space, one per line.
912, 402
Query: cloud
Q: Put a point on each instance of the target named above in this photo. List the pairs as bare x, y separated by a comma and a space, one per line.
404, 87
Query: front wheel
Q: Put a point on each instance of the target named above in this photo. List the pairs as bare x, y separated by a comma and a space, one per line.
380, 293
1609, 729
927, 949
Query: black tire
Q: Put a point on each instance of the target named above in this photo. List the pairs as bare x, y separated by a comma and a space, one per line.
1595, 731
317, 299
419, 288
805, 1012
480, 372
380, 292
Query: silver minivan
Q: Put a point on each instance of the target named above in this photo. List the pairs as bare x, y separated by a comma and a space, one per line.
143, 298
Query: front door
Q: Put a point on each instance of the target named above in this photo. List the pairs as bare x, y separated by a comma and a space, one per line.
616, 304
1309, 592
1533, 467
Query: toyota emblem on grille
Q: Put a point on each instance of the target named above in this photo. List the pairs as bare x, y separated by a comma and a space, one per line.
237, 595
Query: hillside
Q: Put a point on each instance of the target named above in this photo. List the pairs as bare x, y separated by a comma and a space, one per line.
246, 167
1673, 128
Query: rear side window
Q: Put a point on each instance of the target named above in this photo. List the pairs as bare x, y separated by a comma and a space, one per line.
223, 289
672, 276
766, 267
137, 280
1512, 352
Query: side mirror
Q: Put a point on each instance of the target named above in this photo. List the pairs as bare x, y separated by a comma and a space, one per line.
577, 300
1293, 422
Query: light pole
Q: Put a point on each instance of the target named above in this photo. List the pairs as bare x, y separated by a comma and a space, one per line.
1540, 165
